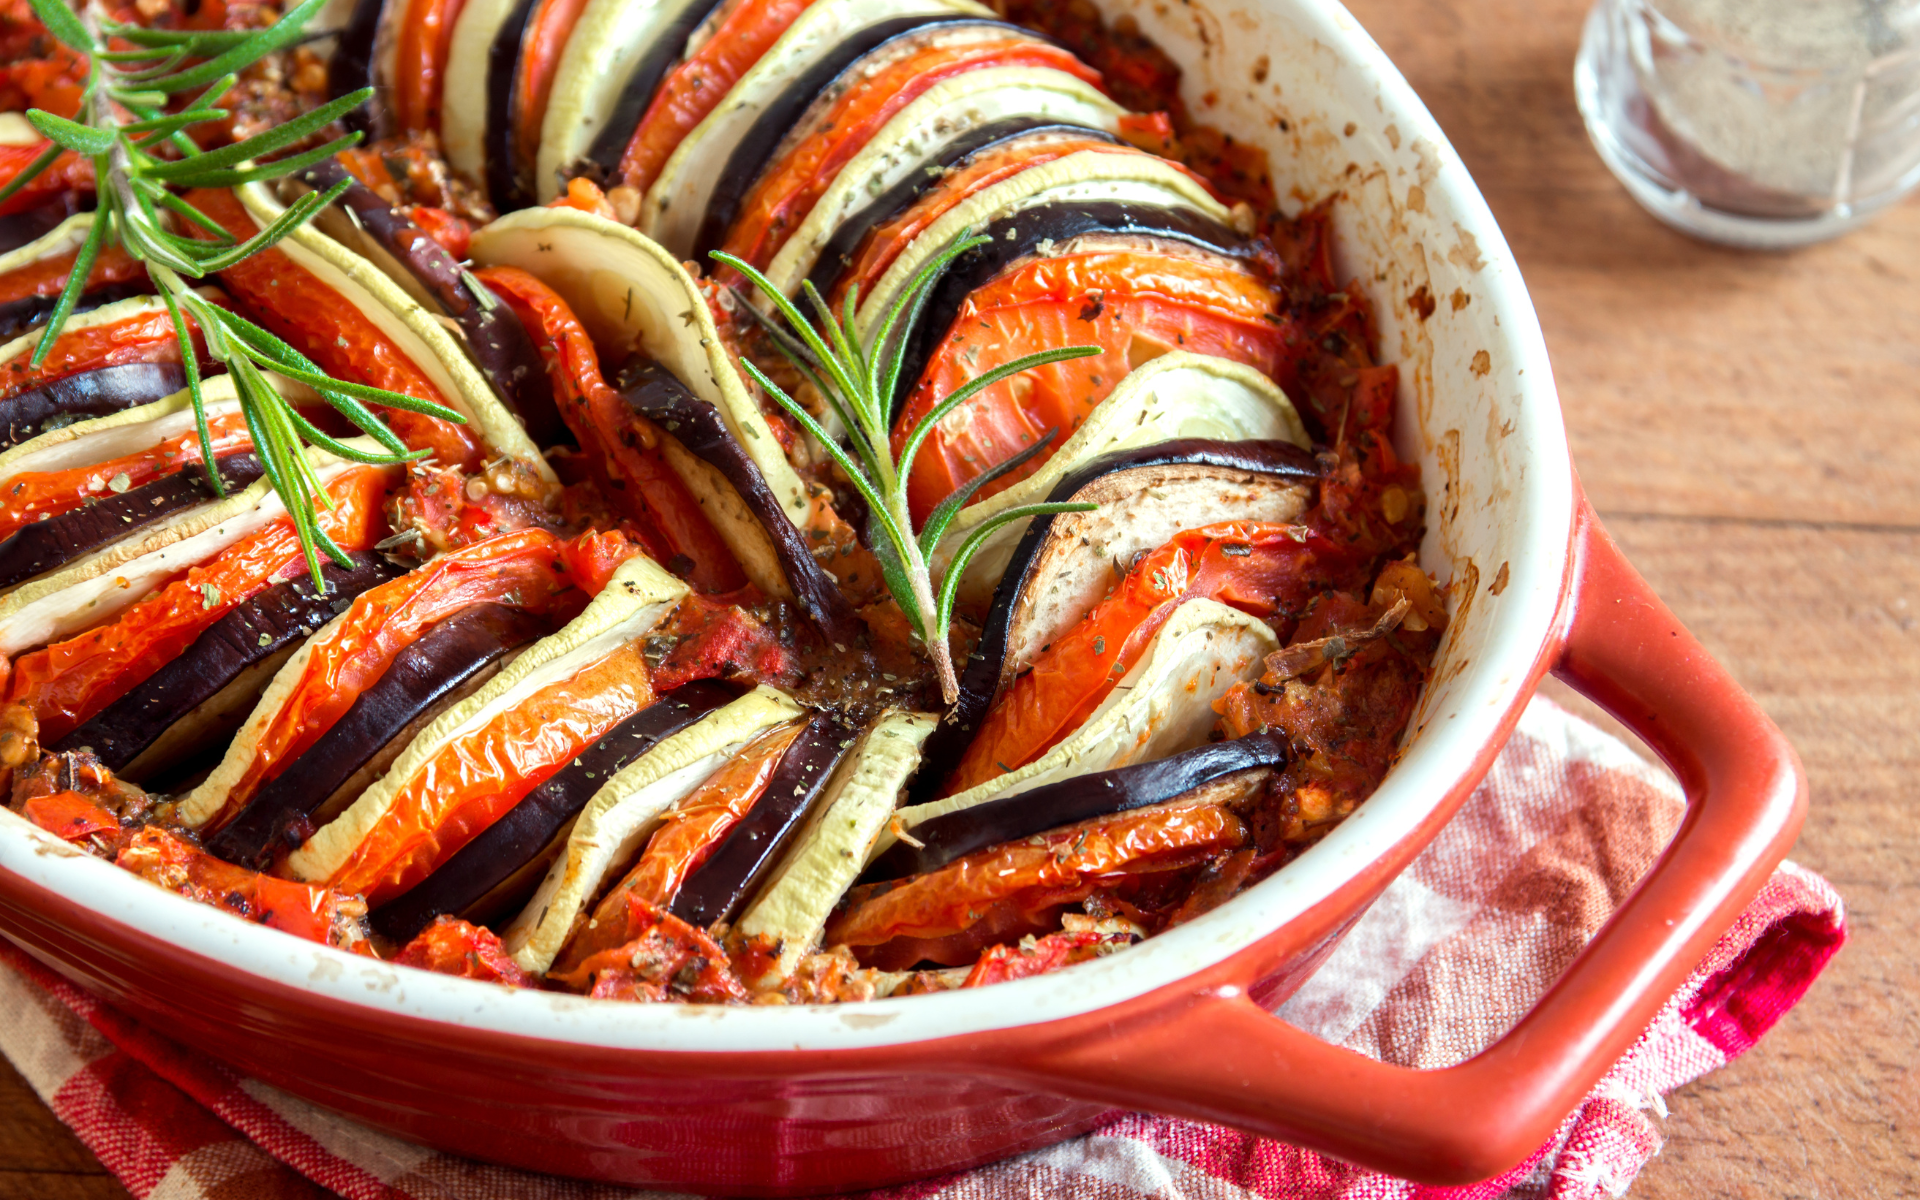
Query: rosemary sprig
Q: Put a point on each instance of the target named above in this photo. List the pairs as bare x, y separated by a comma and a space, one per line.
124, 125
857, 378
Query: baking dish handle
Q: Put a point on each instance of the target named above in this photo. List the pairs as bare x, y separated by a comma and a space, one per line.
1218, 1056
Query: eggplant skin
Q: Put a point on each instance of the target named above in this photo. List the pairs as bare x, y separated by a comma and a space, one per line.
494, 336
838, 253
31, 312
255, 630
533, 824
1015, 237
718, 889
100, 393
506, 181
654, 393
1100, 794
431, 671
980, 676
24, 228
50, 544
351, 67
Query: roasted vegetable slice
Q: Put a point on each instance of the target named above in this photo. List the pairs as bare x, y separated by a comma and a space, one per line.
477, 760
125, 332
505, 861
617, 821
37, 411
205, 690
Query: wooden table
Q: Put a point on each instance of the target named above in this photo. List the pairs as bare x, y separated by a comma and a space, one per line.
1749, 428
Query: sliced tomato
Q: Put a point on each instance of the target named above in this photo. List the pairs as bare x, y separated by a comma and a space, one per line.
684, 840
527, 568
885, 241
656, 957
49, 275
696, 86
1019, 885
1261, 569
786, 190
66, 174
1046, 955
1134, 305
622, 446
540, 50
146, 338
292, 303
475, 778
420, 63
72, 817
317, 914
451, 946
67, 683
37, 495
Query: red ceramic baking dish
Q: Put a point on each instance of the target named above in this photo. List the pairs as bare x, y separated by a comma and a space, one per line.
795, 1100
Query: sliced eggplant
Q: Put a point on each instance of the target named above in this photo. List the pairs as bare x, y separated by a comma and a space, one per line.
808, 98
53, 543
468, 94
1177, 395
363, 57
615, 824
638, 596
845, 233
78, 597
36, 411
1059, 226
1066, 563
444, 666
418, 334
632, 296
31, 312
507, 179
619, 52
478, 882
1162, 706
678, 199
125, 734
25, 228
743, 508
792, 909
1151, 190
741, 862
1008, 818
388, 237
63, 236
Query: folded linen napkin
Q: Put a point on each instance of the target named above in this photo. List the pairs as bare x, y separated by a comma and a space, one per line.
1452, 954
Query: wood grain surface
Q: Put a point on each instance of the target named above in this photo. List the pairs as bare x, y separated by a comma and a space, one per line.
1749, 428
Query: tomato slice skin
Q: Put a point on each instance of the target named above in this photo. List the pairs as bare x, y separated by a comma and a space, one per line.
533, 75
67, 683
1064, 867
451, 946
527, 568
420, 62
885, 241
290, 302
317, 914
1133, 304
695, 87
622, 446
787, 189
35, 495
67, 173
474, 779
655, 957
47, 276
1261, 569
146, 338
685, 839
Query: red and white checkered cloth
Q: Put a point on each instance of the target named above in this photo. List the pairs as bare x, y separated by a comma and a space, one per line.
1452, 954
